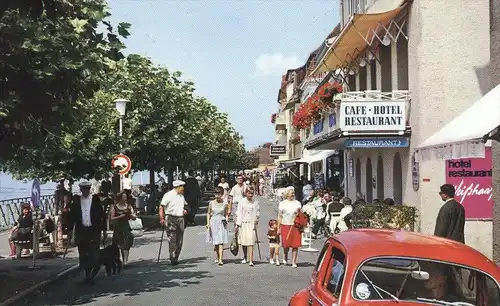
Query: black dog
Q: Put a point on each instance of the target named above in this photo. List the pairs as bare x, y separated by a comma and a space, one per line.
109, 257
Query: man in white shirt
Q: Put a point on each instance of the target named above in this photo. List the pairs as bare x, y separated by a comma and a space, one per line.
127, 183
172, 212
87, 216
236, 195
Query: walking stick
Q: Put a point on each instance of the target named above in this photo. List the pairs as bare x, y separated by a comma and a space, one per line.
258, 245
161, 243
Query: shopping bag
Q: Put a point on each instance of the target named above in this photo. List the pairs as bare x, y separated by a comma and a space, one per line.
136, 227
234, 247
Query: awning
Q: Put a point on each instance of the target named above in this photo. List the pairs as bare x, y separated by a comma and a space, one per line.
465, 135
316, 155
355, 37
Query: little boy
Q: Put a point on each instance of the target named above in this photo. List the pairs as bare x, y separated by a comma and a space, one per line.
274, 242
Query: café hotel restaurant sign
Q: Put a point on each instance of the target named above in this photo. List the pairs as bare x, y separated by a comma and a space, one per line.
369, 116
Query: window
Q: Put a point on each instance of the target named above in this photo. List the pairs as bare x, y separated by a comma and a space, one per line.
386, 67
422, 280
358, 175
373, 74
362, 79
397, 179
334, 285
369, 182
380, 179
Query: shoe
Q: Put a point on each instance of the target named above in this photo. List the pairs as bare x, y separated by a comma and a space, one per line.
294, 265
244, 261
220, 263
216, 261
251, 264
277, 262
272, 261
285, 262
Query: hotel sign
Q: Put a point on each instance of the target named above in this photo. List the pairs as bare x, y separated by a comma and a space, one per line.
277, 150
377, 143
372, 116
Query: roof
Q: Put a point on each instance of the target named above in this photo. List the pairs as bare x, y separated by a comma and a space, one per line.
365, 243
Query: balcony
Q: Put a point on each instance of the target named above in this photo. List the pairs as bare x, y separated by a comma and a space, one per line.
281, 122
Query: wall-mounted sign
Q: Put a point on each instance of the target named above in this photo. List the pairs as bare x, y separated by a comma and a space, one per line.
472, 178
277, 150
372, 116
351, 167
415, 173
377, 143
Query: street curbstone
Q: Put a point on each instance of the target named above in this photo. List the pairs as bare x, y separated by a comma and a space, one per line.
37, 287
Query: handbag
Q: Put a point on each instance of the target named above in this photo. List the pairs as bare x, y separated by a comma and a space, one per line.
136, 227
234, 247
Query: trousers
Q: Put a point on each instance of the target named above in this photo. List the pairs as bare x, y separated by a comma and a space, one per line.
175, 234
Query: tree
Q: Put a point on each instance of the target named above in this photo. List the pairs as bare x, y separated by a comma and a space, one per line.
53, 59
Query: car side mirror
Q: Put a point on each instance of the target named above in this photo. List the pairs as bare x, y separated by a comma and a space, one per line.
420, 275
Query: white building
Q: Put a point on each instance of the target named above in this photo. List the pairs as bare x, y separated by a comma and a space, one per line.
417, 61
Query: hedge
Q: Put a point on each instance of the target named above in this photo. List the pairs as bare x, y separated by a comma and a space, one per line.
384, 216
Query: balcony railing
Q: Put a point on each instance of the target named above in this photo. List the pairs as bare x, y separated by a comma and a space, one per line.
11, 209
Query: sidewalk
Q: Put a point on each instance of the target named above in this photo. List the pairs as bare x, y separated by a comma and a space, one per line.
18, 276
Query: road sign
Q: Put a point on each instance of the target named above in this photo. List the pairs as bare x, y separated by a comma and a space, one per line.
122, 162
35, 193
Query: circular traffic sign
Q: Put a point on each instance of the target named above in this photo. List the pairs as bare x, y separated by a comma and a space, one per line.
35, 193
122, 162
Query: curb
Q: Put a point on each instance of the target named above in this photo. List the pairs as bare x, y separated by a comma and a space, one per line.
34, 288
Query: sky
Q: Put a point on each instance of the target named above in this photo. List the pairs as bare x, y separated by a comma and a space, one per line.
234, 50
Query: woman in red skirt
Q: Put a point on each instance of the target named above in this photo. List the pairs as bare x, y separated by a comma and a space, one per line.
291, 237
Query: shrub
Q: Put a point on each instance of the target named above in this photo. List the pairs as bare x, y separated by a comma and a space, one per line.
384, 216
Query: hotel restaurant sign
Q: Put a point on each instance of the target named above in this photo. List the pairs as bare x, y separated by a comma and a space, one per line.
364, 116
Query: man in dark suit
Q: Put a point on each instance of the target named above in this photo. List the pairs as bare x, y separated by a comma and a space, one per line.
192, 195
87, 217
450, 221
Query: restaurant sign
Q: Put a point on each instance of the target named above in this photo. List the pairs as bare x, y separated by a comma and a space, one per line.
277, 150
472, 178
377, 143
372, 116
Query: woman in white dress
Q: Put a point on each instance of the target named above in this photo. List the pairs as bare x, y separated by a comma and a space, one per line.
217, 224
247, 220
291, 238
224, 186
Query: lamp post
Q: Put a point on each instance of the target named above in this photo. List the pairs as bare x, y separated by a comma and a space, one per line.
121, 107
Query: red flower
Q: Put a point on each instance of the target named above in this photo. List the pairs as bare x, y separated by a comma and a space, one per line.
327, 90
273, 118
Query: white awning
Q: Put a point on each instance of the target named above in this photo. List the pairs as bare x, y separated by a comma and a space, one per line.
316, 155
465, 135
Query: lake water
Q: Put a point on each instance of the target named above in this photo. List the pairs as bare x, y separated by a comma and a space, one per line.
11, 189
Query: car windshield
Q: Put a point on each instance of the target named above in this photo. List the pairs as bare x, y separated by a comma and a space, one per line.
425, 281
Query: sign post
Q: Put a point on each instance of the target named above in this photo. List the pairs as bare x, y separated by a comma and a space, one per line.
35, 201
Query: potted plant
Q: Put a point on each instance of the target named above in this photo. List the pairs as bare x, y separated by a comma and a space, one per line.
273, 118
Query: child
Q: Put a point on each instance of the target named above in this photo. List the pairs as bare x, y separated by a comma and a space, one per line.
274, 242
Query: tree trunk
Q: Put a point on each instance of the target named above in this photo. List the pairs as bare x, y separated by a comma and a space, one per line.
153, 193
59, 201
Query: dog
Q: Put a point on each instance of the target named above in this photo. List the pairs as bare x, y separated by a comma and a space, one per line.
109, 257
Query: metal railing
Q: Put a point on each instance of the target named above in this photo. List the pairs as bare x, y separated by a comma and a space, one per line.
11, 209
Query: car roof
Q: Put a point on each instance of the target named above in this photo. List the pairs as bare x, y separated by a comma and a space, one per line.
361, 244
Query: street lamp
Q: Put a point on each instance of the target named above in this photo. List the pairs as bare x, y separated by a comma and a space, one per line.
121, 107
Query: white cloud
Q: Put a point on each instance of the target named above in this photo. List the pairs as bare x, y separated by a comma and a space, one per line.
275, 64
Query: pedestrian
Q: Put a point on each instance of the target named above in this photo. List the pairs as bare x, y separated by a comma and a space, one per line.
121, 213
450, 221
236, 195
274, 242
247, 220
173, 209
291, 238
193, 195
89, 220
217, 216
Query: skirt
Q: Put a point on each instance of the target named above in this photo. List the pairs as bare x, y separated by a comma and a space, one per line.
217, 233
246, 234
294, 239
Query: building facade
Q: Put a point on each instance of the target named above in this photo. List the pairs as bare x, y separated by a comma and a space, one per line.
407, 69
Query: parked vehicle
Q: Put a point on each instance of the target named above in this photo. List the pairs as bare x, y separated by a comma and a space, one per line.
392, 267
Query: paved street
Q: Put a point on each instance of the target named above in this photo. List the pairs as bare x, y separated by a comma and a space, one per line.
196, 281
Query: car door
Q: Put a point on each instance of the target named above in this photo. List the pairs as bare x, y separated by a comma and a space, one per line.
322, 261
330, 279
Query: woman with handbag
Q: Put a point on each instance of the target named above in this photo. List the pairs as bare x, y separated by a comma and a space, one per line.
121, 213
247, 220
290, 230
217, 215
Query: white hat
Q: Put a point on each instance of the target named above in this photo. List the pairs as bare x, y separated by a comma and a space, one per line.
85, 184
178, 183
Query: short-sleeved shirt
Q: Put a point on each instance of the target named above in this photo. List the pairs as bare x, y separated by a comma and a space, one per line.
273, 233
173, 203
238, 192
288, 210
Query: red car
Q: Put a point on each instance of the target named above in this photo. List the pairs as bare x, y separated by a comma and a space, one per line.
391, 267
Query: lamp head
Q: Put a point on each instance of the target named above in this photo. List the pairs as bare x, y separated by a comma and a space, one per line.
121, 106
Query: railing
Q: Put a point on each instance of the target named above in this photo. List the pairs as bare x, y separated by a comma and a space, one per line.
11, 209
